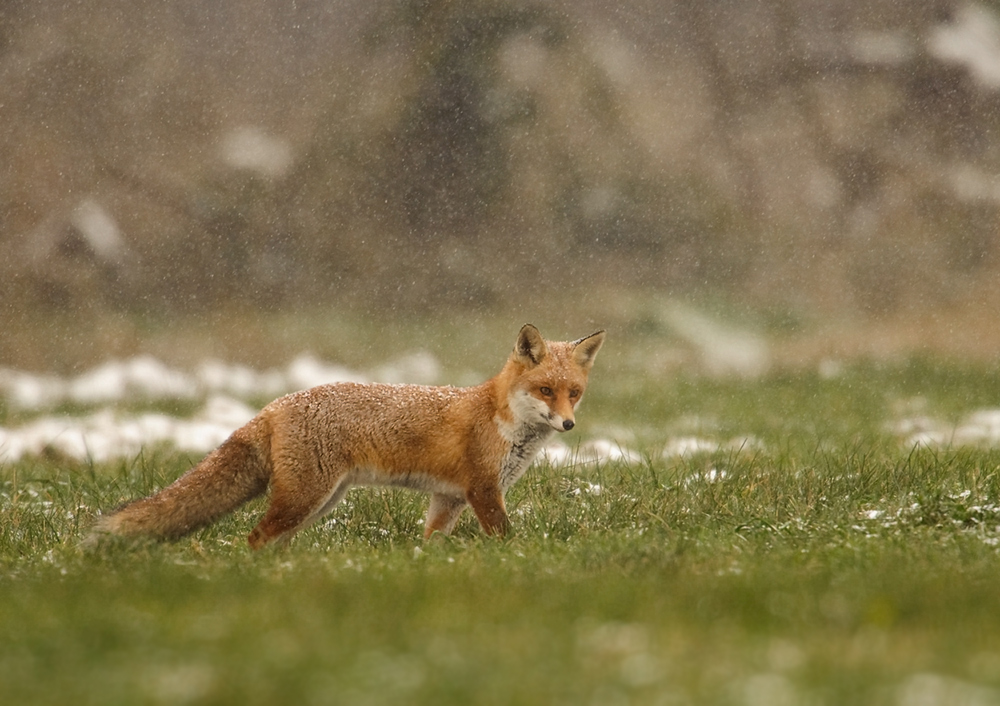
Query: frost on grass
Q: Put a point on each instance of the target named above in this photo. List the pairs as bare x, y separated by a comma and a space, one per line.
962, 511
587, 488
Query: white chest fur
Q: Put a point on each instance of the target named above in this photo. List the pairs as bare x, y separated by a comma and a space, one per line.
526, 441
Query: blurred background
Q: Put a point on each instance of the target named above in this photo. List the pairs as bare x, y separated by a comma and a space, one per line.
825, 171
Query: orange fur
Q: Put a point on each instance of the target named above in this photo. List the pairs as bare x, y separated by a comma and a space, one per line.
465, 446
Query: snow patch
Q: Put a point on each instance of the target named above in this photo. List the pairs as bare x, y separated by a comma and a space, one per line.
972, 40
595, 451
252, 149
104, 435
979, 428
144, 378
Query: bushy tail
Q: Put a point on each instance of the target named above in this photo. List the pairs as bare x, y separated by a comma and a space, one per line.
234, 473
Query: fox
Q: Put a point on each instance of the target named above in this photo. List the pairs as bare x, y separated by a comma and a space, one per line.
466, 446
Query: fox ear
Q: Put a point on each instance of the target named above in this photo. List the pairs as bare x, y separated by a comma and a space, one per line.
585, 349
530, 349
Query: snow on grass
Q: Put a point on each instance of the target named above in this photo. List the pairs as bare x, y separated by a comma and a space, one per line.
979, 428
146, 378
107, 433
104, 434
683, 446
594, 451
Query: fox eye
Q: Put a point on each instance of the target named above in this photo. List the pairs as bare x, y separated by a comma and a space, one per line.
547, 391
573, 394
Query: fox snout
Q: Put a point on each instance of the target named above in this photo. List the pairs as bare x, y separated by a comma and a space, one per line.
560, 423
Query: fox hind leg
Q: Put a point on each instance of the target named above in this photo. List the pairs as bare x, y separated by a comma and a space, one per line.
301, 491
290, 511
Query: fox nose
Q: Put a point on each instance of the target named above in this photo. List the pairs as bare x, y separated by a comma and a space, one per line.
568, 424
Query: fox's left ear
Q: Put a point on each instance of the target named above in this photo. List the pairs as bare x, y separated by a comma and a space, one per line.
585, 350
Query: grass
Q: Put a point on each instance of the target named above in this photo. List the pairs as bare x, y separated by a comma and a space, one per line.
823, 563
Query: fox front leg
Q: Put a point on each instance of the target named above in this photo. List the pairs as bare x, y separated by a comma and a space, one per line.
487, 503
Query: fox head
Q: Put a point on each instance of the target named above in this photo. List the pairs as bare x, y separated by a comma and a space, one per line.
548, 378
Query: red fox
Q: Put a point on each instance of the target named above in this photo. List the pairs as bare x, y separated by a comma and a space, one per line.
463, 445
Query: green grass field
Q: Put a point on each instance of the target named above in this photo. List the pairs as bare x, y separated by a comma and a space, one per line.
815, 558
